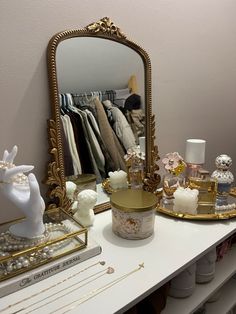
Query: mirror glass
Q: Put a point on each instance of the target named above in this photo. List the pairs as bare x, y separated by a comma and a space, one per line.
89, 67
100, 86
86, 64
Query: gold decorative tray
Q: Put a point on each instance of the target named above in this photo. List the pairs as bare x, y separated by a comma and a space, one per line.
215, 216
107, 186
220, 216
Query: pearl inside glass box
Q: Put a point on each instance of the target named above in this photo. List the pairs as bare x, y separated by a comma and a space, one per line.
63, 236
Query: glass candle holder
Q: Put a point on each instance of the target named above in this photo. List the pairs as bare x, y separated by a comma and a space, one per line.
170, 183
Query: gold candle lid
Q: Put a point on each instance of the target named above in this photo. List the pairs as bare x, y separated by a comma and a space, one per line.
133, 200
81, 178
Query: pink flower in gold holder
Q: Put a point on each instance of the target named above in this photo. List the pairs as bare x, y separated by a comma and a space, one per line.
173, 162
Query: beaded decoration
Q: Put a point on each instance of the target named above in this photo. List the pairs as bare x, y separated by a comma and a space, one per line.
19, 178
10, 244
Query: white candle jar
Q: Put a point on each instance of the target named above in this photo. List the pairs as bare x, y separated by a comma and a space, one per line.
183, 284
133, 213
206, 267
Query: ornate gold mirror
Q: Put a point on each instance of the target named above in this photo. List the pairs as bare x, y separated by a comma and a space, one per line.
97, 62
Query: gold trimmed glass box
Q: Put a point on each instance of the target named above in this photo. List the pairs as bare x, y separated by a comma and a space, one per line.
133, 213
65, 236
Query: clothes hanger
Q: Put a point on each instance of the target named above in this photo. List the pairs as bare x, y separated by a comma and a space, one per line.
61, 104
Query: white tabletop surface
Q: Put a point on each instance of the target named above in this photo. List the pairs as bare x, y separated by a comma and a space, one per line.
174, 245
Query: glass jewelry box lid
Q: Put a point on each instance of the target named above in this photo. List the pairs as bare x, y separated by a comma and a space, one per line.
63, 235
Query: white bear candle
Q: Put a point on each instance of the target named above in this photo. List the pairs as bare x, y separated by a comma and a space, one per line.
186, 200
118, 179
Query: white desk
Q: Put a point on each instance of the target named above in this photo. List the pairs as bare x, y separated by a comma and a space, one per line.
174, 245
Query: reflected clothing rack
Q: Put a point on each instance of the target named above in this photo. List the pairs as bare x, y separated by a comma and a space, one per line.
97, 150
132, 87
84, 107
102, 96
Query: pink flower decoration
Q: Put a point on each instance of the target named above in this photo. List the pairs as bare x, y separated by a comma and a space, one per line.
172, 160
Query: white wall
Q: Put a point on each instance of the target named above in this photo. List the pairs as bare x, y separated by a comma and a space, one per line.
192, 45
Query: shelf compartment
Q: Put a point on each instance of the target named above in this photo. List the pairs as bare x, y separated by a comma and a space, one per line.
226, 301
225, 269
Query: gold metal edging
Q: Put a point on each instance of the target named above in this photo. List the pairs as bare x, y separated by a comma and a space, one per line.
104, 28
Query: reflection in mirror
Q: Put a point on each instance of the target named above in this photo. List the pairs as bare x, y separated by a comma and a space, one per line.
101, 87
100, 84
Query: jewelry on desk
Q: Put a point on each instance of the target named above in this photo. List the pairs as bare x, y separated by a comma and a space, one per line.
10, 244
19, 178
52, 286
95, 292
108, 270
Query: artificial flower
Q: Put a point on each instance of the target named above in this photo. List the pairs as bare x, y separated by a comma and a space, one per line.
173, 163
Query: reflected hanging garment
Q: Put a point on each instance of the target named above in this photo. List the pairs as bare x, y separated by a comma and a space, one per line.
109, 164
72, 146
68, 163
95, 147
138, 121
121, 126
86, 136
112, 143
81, 143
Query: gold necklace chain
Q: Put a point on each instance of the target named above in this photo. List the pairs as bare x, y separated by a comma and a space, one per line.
109, 270
95, 292
50, 287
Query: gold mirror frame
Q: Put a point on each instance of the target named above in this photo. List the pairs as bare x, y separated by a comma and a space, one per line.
105, 29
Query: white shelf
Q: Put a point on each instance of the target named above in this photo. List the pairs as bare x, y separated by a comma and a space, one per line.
224, 270
226, 301
174, 245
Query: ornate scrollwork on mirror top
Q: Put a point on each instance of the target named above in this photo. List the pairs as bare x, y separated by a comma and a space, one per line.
104, 28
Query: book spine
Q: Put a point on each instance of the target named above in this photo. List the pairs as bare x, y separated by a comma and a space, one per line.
43, 272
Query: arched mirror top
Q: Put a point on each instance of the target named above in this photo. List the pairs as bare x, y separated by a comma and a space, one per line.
106, 40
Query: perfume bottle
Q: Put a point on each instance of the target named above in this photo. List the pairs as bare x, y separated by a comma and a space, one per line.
224, 179
207, 187
173, 179
135, 164
136, 177
194, 156
136, 171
